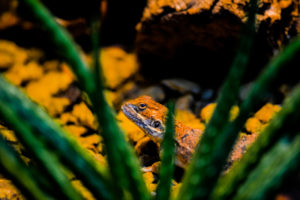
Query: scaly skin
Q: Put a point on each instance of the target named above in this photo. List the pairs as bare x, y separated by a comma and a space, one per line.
150, 117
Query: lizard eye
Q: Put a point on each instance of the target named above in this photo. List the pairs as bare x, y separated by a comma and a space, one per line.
142, 106
156, 124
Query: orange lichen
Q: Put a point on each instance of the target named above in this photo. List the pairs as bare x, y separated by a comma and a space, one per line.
90, 142
7, 134
175, 189
8, 191
207, 112
253, 125
234, 112
149, 179
99, 157
84, 192
6, 60
242, 144
20, 73
10, 49
118, 65
84, 115
189, 119
68, 118
75, 130
43, 90
267, 112
49, 84
282, 197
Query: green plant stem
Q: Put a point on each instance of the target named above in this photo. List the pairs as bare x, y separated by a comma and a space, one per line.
26, 118
284, 120
167, 167
124, 165
117, 147
209, 157
270, 173
63, 41
15, 169
47, 160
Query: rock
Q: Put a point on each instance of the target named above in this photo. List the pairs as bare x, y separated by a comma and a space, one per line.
197, 39
155, 92
185, 102
181, 85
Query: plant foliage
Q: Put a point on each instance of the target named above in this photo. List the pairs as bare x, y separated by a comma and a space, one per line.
55, 154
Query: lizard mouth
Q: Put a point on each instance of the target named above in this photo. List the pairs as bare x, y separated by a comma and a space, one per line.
130, 112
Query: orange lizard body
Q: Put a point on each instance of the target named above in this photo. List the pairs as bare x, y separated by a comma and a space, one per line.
150, 117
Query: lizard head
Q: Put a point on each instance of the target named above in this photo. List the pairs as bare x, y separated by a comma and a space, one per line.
147, 114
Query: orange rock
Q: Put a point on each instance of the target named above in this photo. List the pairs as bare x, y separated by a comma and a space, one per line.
241, 146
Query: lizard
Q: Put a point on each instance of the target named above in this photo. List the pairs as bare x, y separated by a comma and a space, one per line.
150, 116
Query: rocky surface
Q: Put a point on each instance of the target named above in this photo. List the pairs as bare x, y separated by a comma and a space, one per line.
201, 35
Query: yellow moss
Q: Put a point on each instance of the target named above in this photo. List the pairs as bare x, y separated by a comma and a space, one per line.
68, 118
149, 179
253, 125
6, 60
117, 65
89, 142
189, 119
42, 91
51, 65
20, 73
131, 130
49, 84
99, 157
207, 112
234, 112
111, 97
267, 112
85, 193
8, 191
115, 97
75, 130
55, 105
19, 55
8, 135
84, 115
